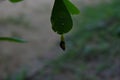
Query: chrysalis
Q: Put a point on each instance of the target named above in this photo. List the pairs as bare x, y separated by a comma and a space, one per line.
62, 43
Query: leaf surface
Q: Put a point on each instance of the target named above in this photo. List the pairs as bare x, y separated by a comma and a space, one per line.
12, 39
61, 19
14, 1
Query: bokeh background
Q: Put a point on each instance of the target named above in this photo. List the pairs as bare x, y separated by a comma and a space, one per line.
93, 45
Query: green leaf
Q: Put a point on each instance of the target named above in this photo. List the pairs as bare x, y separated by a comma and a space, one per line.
14, 1
61, 19
71, 7
12, 39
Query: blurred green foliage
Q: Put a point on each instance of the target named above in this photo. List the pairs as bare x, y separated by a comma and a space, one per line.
18, 76
98, 28
12, 39
14, 1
